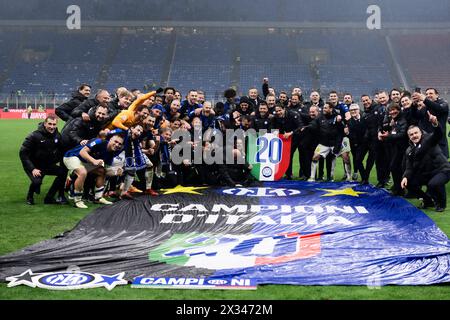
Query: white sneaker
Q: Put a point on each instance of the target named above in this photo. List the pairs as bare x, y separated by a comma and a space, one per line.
80, 204
102, 201
311, 180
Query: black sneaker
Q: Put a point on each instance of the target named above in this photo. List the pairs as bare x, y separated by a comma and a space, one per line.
50, 201
409, 195
62, 200
288, 177
381, 185
425, 204
30, 201
364, 182
439, 209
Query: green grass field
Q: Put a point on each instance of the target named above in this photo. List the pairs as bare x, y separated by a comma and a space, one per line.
23, 225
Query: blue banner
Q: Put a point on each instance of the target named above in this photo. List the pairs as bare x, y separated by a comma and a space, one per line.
284, 232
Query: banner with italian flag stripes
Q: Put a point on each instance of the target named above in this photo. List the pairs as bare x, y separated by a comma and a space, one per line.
269, 154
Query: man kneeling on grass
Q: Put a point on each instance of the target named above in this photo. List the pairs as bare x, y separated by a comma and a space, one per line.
92, 158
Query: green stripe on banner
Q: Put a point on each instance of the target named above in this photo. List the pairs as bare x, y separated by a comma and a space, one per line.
251, 153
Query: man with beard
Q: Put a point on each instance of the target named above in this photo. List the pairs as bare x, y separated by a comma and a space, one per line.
262, 120
79, 131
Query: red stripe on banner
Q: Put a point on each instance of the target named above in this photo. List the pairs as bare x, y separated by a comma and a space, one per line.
285, 157
307, 247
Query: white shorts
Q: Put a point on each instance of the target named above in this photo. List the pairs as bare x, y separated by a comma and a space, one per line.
117, 163
73, 163
323, 151
345, 145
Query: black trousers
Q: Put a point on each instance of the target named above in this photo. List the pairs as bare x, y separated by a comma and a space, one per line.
295, 145
57, 186
435, 188
358, 157
306, 155
372, 148
395, 154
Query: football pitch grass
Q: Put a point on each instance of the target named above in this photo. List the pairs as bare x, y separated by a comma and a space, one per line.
23, 225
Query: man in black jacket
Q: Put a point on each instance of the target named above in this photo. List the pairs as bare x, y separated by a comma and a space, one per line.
287, 122
40, 153
427, 165
78, 131
330, 130
373, 116
357, 134
437, 107
102, 98
393, 134
78, 97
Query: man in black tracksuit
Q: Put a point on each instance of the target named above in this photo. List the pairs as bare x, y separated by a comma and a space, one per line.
40, 153
427, 165
78, 97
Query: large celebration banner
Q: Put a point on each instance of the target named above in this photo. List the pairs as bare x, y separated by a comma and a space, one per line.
269, 155
285, 232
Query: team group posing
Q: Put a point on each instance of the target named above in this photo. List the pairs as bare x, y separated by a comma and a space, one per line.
109, 141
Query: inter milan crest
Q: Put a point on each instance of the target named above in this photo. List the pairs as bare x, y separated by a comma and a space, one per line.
66, 280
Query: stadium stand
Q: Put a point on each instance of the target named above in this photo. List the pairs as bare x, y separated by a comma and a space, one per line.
425, 59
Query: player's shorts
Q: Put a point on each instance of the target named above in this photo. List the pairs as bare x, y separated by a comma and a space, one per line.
345, 145
323, 151
137, 163
73, 163
117, 163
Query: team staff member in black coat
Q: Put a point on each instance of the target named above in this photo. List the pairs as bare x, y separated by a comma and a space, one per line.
373, 116
437, 107
393, 134
357, 134
308, 142
40, 153
427, 165
287, 122
78, 97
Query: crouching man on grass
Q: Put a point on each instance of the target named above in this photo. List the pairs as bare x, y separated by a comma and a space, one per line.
92, 158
